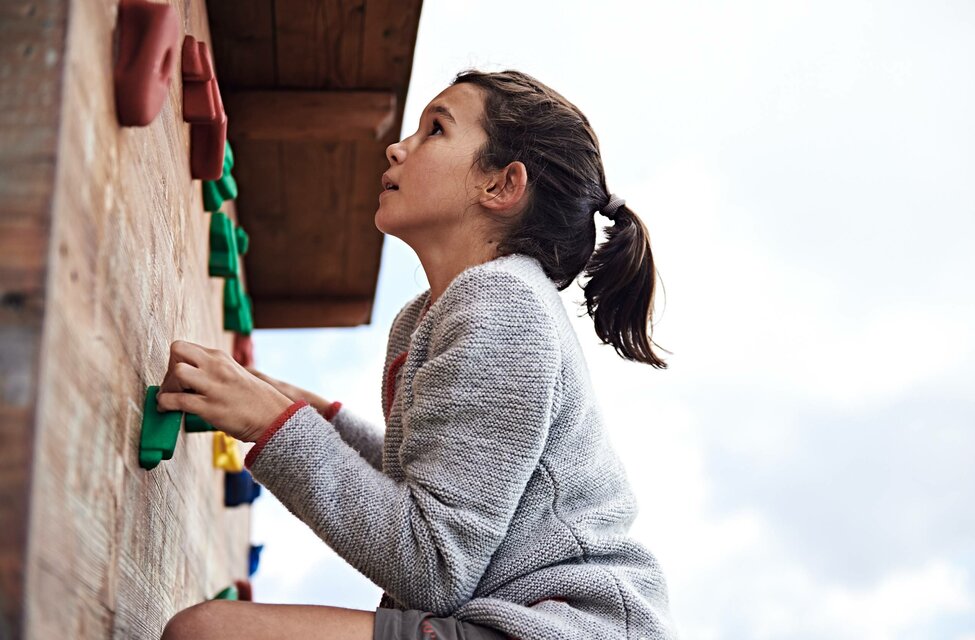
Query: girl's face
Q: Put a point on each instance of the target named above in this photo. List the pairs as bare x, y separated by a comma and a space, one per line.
432, 170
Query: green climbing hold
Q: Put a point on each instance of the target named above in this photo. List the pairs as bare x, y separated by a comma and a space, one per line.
196, 424
223, 247
228, 157
230, 593
239, 318
243, 240
160, 430
215, 192
233, 293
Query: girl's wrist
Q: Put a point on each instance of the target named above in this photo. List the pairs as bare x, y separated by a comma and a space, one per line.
277, 407
271, 429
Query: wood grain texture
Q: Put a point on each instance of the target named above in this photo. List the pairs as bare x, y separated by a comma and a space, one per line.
319, 43
336, 312
330, 116
243, 43
114, 550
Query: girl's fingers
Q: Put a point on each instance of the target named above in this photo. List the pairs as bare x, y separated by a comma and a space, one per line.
183, 351
178, 401
189, 377
186, 360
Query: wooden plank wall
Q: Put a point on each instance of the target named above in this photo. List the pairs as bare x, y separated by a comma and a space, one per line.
31, 35
109, 268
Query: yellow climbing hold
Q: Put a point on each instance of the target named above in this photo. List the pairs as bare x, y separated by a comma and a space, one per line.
226, 453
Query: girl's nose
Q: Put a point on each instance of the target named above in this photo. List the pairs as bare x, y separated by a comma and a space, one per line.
396, 153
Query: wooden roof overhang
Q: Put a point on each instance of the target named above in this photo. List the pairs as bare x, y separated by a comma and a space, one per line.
314, 93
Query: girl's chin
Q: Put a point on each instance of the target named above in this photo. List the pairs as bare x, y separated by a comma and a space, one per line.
385, 220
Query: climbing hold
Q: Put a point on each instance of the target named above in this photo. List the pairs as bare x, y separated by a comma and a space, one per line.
233, 293
226, 454
240, 318
223, 188
243, 349
223, 247
228, 593
200, 106
215, 192
244, 590
228, 159
255, 557
147, 41
237, 309
243, 240
196, 424
203, 109
239, 488
160, 430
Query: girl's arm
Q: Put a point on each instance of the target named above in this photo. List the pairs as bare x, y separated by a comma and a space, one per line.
358, 432
474, 428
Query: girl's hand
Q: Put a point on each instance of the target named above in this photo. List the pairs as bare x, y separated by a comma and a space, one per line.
210, 384
293, 392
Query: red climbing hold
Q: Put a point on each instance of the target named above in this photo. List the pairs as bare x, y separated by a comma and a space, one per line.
203, 109
244, 350
244, 590
147, 40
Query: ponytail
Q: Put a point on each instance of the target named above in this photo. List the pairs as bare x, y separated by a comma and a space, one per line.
621, 289
528, 121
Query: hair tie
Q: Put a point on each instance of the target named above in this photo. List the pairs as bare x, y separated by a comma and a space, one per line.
609, 209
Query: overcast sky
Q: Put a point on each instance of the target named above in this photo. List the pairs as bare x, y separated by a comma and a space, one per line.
804, 468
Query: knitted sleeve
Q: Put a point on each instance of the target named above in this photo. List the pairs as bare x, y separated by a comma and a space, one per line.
474, 427
361, 434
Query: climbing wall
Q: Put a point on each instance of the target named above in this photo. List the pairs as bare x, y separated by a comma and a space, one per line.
105, 262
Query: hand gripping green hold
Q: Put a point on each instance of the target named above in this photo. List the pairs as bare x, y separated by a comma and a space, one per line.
224, 259
224, 188
160, 431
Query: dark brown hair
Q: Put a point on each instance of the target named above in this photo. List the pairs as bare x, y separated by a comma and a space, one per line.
529, 122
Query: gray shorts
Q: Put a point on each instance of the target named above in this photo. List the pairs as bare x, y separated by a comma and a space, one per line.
413, 624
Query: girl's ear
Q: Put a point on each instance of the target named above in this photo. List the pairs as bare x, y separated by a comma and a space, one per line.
506, 189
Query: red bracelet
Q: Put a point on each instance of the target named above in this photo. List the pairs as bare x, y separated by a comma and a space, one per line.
271, 430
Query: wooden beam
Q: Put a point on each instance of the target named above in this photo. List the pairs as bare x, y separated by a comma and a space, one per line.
327, 116
293, 313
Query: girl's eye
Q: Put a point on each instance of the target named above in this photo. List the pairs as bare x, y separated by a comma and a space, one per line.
436, 128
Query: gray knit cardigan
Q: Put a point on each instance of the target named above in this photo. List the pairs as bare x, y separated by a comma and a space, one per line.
494, 496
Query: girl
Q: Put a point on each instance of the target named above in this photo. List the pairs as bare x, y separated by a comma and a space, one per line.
493, 506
